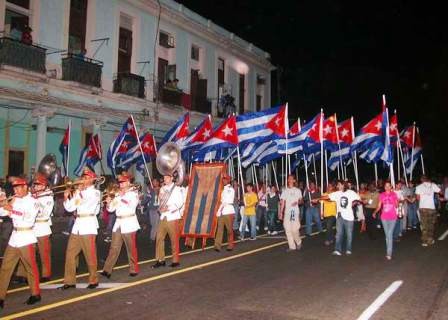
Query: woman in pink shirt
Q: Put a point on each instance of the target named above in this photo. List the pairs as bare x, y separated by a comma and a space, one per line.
388, 204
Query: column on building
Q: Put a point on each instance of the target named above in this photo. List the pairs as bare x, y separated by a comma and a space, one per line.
42, 115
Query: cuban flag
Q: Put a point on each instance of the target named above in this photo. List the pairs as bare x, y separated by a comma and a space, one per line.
225, 136
269, 154
134, 154
64, 149
90, 155
254, 153
179, 131
258, 127
305, 140
330, 134
412, 147
369, 133
199, 135
345, 138
126, 139
387, 155
393, 129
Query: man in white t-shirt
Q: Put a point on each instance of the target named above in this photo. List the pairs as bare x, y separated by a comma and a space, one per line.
345, 199
425, 193
290, 199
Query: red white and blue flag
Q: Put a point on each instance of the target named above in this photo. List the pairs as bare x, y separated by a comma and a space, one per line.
90, 155
126, 139
134, 154
64, 148
179, 131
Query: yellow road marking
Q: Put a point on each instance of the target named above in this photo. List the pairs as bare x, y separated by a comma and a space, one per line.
139, 282
82, 275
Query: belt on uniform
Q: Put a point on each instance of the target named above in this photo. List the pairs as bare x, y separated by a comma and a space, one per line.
42, 220
23, 228
126, 216
84, 215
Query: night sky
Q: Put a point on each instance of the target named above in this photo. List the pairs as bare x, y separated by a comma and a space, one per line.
343, 55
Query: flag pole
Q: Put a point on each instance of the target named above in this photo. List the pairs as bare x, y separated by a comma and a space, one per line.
306, 172
391, 165
400, 156
339, 173
68, 146
376, 173
354, 158
141, 151
326, 169
337, 139
275, 175
421, 157
314, 168
240, 170
412, 151
321, 151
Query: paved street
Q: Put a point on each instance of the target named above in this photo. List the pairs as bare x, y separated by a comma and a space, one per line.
258, 280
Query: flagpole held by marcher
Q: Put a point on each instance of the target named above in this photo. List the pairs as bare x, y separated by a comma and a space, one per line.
141, 150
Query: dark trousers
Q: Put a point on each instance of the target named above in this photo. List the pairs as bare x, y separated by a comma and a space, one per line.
329, 224
370, 223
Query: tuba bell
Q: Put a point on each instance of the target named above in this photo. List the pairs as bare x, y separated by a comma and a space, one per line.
49, 168
169, 162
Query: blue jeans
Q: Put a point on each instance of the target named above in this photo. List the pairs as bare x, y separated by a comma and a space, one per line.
412, 215
343, 227
312, 214
272, 217
253, 222
389, 227
396, 229
236, 220
262, 213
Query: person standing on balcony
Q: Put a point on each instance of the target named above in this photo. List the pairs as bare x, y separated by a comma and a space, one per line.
27, 38
15, 32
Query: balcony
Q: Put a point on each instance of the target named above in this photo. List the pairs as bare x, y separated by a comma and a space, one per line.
171, 96
82, 70
130, 84
17, 54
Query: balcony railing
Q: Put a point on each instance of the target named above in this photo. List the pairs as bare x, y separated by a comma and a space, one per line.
130, 84
171, 96
18, 54
82, 70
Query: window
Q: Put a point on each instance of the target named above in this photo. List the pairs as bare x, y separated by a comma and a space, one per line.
170, 72
125, 44
77, 26
221, 66
259, 102
242, 81
16, 162
195, 53
166, 40
87, 137
21, 3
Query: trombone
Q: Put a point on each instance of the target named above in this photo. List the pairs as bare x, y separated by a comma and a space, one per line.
113, 191
73, 184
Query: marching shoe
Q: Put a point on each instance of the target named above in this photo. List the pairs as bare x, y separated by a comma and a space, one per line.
2, 304
92, 285
67, 286
105, 274
174, 264
133, 274
158, 264
33, 299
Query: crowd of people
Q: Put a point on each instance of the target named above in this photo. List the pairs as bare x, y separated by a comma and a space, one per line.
26, 219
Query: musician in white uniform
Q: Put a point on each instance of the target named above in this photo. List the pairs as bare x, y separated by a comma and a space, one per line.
42, 227
126, 225
21, 245
171, 202
85, 203
225, 214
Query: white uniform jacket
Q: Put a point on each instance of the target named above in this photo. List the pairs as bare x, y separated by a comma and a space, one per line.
124, 207
87, 206
23, 215
45, 206
172, 209
227, 201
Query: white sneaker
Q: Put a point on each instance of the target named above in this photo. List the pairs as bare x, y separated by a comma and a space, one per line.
269, 233
348, 252
265, 228
274, 233
336, 253
258, 228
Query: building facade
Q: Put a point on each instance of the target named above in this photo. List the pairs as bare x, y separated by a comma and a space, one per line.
94, 62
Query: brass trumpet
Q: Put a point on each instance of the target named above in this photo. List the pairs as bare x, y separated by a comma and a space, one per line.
73, 184
113, 191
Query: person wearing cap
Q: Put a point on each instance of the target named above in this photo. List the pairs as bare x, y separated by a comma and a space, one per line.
21, 246
171, 202
86, 202
125, 227
42, 227
225, 214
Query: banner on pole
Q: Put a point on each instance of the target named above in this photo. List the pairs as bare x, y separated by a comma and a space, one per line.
203, 200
